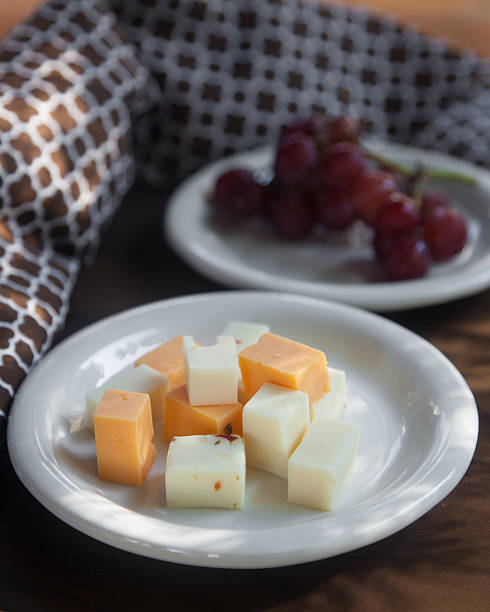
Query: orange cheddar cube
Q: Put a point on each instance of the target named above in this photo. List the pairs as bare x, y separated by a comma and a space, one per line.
123, 433
284, 362
167, 359
182, 419
243, 396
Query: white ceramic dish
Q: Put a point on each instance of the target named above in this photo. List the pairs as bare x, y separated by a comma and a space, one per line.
333, 270
417, 417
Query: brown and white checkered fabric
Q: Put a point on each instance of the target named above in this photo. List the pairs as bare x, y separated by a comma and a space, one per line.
231, 72
35, 286
68, 85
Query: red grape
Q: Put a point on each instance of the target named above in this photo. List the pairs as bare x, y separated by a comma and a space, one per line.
398, 215
291, 216
372, 188
407, 257
342, 166
433, 199
296, 155
236, 194
335, 210
275, 189
345, 129
445, 232
398, 177
382, 243
315, 127
322, 177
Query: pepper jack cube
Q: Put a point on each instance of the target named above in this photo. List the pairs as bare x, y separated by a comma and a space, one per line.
168, 359
211, 372
320, 465
142, 379
206, 471
274, 422
123, 433
332, 405
182, 419
245, 333
284, 362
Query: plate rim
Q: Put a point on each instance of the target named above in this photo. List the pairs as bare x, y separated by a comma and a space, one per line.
25, 470
379, 296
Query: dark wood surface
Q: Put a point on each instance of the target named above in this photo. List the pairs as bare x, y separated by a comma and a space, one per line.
440, 562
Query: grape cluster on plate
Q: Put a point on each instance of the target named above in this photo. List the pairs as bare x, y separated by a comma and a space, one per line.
324, 177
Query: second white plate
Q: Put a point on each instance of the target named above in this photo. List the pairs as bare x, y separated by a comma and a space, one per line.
332, 270
417, 418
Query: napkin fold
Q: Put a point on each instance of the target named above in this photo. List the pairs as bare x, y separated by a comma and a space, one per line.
92, 92
69, 85
231, 73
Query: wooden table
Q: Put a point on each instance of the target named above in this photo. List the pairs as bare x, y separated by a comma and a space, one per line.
440, 562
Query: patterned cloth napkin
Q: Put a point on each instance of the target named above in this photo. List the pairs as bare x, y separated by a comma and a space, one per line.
232, 72
69, 85
92, 92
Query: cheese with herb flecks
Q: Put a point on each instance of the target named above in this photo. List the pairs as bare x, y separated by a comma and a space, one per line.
205, 471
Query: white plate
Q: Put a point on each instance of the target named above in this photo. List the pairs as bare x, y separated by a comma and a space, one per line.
254, 258
417, 417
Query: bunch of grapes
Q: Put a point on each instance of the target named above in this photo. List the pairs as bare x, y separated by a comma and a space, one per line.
323, 177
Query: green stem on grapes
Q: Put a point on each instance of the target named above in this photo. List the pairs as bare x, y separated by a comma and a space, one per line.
415, 183
432, 173
449, 175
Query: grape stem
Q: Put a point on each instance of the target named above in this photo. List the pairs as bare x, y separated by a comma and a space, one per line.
431, 173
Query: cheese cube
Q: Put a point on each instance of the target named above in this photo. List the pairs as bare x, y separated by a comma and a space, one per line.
182, 419
243, 397
332, 405
123, 433
142, 379
206, 471
211, 372
167, 359
274, 422
245, 332
319, 466
284, 362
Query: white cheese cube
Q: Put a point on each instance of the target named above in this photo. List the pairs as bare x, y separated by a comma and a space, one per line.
142, 379
274, 422
245, 332
211, 372
332, 405
319, 466
206, 471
